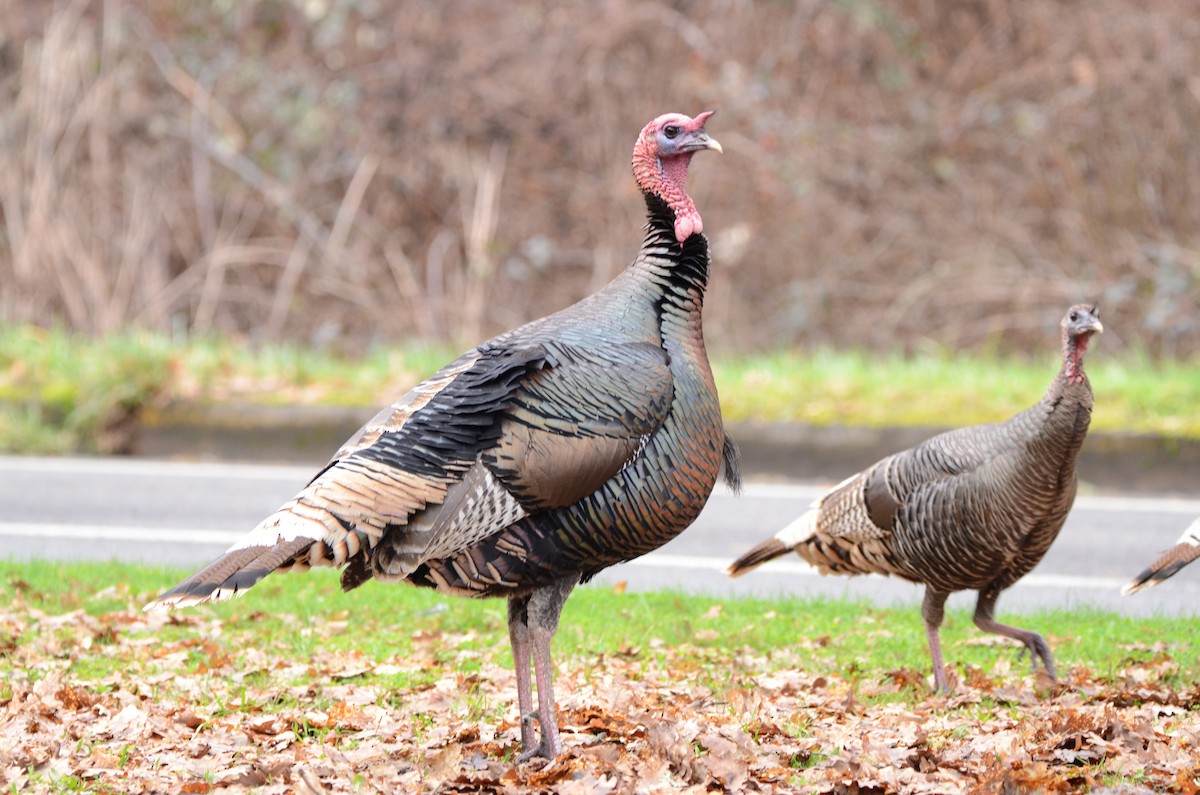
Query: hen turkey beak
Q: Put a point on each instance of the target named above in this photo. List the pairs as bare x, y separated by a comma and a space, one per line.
1097, 327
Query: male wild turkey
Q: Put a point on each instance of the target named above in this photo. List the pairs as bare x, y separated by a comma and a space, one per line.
1186, 549
527, 465
971, 509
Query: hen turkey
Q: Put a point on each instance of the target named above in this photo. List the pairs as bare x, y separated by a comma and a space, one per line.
532, 462
971, 509
1186, 549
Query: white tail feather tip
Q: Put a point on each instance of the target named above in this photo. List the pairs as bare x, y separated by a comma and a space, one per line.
800, 530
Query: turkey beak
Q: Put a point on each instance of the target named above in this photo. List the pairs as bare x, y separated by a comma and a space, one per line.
700, 140
1096, 327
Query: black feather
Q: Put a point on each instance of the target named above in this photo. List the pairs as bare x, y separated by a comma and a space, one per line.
236, 571
731, 459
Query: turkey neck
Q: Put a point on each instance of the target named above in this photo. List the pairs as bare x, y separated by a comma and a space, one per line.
679, 463
1064, 413
680, 271
1071, 393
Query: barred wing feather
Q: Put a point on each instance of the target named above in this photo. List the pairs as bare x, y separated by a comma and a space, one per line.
495, 436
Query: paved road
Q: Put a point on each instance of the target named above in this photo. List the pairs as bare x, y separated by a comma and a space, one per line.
186, 514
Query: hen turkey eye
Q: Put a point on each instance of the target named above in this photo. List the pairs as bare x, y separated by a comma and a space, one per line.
929, 513
671, 131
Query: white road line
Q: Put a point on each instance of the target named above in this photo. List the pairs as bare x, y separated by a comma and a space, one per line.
1177, 505
299, 475
149, 468
88, 532
792, 568
811, 492
653, 560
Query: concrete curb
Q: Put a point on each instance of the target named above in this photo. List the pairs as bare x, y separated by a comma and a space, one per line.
1110, 462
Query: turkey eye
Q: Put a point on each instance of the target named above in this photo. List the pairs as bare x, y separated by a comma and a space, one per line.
671, 131
1074, 316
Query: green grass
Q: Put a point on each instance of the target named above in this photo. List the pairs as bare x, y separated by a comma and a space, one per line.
296, 666
825, 387
294, 615
60, 393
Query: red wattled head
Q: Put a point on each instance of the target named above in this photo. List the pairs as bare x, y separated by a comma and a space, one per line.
1078, 325
660, 163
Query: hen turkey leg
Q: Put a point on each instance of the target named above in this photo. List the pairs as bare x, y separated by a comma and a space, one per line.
1034, 642
932, 610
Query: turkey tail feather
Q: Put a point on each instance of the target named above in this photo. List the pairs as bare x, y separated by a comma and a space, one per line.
1186, 549
1151, 577
783, 542
230, 575
768, 550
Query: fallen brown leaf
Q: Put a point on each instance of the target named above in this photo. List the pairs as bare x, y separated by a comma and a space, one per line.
646, 720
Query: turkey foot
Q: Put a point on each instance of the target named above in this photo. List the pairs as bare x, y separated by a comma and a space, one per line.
528, 748
542, 749
1034, 643
1037, 648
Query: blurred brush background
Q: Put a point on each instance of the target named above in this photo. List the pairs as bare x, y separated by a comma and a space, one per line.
343, 173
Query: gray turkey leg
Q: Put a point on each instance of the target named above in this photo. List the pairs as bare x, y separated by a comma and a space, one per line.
933, 608
1037, 646
518, 637
545, 606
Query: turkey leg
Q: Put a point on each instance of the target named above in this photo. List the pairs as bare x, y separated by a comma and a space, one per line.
518, 638
1037, 646
541, 610
933, 609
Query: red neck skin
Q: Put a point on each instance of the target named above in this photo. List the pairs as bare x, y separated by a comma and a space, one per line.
1074, 348
666, 179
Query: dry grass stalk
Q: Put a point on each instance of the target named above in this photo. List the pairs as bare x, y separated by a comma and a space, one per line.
898, 174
